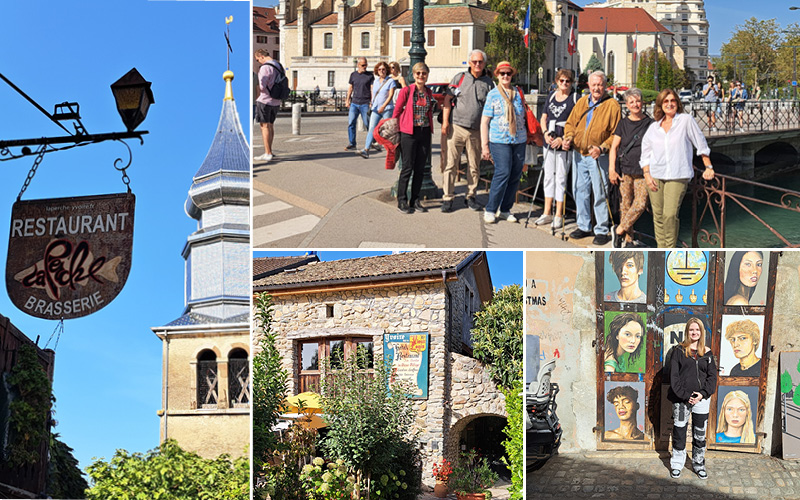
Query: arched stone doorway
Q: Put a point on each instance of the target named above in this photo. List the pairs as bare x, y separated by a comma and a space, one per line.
484, 432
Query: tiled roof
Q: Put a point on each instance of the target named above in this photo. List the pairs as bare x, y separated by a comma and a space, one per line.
229, 151
381, 267
332, 18
574, 6
620, 20
368, 18
264, 20
192, 319
448, 14
265, 266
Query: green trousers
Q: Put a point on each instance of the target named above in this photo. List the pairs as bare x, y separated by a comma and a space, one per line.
665, 204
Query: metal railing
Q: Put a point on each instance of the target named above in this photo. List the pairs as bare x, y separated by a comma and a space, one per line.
725, 118
316, 102
712, 201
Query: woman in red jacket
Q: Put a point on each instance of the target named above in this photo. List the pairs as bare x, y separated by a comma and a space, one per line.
414, 111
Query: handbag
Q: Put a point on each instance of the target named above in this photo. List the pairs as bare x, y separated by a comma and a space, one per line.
534, 130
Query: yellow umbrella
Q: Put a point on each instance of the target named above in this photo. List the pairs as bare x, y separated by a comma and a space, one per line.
311, 401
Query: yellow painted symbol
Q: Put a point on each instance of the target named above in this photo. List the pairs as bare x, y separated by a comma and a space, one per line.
228, 19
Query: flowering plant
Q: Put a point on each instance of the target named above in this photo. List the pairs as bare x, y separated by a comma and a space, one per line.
442, 470
326, 481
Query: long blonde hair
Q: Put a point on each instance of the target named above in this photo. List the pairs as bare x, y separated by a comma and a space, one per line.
748, 435
687, 341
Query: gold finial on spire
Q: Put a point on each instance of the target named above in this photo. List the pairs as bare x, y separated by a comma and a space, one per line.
228, 75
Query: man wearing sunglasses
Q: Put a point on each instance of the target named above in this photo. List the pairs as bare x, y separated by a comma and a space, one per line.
461, 125
359, 94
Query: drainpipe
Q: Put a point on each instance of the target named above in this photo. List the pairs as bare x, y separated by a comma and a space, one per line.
166, 384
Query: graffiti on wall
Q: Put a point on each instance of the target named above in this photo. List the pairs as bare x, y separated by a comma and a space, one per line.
790, 404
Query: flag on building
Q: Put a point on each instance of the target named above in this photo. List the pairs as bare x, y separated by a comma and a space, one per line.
527, 25
635, 40
605, 39
571, 44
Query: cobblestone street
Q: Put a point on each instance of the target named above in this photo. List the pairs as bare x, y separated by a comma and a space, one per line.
645, 475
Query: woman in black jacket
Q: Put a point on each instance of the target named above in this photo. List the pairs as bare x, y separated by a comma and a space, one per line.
692, 381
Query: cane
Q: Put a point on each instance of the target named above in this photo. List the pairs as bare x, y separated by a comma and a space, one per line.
564, 203
608, 204
536, 190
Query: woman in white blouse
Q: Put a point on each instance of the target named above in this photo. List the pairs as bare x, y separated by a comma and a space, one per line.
667, 163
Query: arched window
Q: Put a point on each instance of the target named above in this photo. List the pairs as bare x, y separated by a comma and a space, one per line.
610, 64
207, 379
238, 378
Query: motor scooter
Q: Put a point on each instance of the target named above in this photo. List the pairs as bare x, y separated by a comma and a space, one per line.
542, 428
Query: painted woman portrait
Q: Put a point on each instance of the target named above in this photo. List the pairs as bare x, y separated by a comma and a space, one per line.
625, 344
626, 403
744, 271
735, 420
628, 266
744, 336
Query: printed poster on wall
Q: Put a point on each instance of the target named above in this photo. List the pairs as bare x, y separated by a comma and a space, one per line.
686, 278
407, 355
69, 257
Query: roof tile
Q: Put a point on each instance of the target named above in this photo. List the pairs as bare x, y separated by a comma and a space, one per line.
264, 266
448, 14
264, 20
620, 20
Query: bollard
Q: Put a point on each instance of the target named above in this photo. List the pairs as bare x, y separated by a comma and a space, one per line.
296, 109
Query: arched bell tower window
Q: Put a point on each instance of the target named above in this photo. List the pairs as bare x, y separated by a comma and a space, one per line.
207, 379
238, 379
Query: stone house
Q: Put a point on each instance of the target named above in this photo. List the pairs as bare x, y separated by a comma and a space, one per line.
205, 352
357, 303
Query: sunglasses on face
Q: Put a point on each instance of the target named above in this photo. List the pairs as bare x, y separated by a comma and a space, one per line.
477, 62
504, 73
564, 81
420, 73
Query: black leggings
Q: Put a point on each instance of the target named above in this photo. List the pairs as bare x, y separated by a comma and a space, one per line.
414, 149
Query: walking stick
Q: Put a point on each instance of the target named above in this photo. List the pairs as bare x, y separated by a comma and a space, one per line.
564, 203
608, 204
536, 190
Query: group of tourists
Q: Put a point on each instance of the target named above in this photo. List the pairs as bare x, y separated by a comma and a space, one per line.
734, 98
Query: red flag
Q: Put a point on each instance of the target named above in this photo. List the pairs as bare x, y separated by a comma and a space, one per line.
571, 45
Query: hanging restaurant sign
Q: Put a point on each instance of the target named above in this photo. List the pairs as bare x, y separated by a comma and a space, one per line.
69, 257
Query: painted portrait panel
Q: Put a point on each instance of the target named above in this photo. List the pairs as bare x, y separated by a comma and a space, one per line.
736, 411
624, 411
625, 277
740, 352
745, 284
675, 328
686, 278
625, 342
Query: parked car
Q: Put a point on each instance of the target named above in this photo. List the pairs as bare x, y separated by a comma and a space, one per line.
686, 96
438, 90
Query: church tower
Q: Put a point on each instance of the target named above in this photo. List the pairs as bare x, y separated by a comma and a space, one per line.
205, 351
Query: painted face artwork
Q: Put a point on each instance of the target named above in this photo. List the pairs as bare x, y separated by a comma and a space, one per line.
630, 336
735, 416
624, 408
742, 345
750, 269
629, 275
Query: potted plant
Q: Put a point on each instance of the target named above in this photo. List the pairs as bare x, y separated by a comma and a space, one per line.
472, 477
441, 472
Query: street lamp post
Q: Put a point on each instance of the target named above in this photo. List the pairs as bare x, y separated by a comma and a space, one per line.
416, 55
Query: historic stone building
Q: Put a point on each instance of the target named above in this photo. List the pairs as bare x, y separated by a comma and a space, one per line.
620, 26
360, 303
686, 19
321, 39
565, 16
206, 377
266, 32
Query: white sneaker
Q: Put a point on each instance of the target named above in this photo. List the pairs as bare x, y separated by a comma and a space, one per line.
507, 216
557, 222
489, 218
264, 157
544, 219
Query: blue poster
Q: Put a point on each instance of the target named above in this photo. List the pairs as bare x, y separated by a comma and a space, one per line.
407, 355
686, 278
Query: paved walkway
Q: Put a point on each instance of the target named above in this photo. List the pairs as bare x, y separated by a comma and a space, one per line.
499, 492
645, 475
313, 194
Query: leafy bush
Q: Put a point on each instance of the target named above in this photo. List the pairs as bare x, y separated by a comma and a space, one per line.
169, 473
497, 335
472, 474
29, 411
513, 443
330, 481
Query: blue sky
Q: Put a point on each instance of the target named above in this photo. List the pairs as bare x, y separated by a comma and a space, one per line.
108, 365
504, 267
723, 15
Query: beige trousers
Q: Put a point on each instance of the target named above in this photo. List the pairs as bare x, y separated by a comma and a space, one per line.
457, 138
666, 202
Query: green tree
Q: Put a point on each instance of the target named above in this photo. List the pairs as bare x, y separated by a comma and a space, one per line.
497, 343
497, 336
669, 75
64, 477
369, 421
29, 409
169, 473
593, 65
751, 51
506, 35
